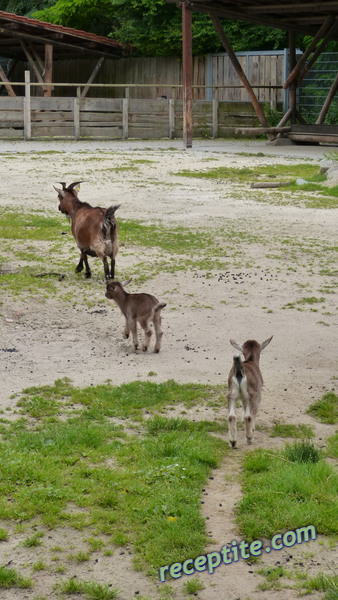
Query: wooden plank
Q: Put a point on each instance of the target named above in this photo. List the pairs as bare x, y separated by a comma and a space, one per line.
262, 130
7, 85
171, 119
187, 74
11, 134
52, 103
7, 103
102, 104
101, 132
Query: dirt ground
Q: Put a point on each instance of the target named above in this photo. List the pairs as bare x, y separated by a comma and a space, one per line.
51, 340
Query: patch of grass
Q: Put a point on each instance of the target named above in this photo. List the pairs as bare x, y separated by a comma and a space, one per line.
3, 535
280, 495
332, 446
247, 174
32, 225
326, 409
90, 590
193, 586
323, 583
33, 541
10, 578
291, 430
302, 452
57, 471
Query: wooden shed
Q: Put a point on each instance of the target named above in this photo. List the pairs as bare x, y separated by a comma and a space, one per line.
307, 17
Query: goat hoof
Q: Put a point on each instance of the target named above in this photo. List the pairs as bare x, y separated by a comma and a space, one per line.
145, 348
249, 440
233, 443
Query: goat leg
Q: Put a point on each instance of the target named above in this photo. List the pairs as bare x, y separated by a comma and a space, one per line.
232, 421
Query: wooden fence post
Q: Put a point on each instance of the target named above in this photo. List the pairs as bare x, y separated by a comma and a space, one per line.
76, 112
171, 118
215, 103
27, 123
125, 117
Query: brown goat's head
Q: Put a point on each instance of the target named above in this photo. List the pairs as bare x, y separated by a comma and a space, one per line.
67, 193
115, 288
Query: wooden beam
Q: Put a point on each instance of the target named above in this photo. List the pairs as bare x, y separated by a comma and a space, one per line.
92, 77
31, 61
262, 130
187, 74
319, 35
288, 8
7, 85
48, 70
234, 60
328, 102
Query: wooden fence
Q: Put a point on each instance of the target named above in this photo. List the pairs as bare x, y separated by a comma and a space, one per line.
77, 117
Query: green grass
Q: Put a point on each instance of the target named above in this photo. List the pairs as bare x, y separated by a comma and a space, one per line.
323, 583
57, 471
90, 590
10, 578
282, 495
248, 174
326, 409
291, 430
332, 446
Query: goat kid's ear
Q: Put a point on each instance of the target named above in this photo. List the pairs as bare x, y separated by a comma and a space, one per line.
237, 345
127, 281
264, 344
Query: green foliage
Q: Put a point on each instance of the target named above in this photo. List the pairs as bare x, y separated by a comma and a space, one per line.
153, 27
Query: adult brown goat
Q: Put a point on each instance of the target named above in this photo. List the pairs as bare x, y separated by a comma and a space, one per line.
95, 229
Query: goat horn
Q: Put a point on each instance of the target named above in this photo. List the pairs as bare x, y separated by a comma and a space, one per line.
73, 185
62, 183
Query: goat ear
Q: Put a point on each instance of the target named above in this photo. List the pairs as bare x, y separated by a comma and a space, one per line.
126, 281
59, 191
236, 345
264, 344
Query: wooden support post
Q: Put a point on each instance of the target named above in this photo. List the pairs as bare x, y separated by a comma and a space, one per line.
48, 71
7, 85
328, 102
93, 75
234, 60
171, 109
187, 74
27, 124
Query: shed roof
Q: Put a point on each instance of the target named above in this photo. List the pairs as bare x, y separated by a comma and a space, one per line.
67, 42
300, 16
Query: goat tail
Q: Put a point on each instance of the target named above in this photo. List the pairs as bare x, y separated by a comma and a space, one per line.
159, 306
110, 214
108, 224
238, 369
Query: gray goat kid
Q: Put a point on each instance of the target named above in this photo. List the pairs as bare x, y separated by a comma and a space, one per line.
94, 228
142, 308
245, 381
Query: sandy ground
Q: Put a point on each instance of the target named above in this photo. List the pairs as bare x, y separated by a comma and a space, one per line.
41, 342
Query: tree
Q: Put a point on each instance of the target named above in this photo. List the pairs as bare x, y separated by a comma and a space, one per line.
153, 27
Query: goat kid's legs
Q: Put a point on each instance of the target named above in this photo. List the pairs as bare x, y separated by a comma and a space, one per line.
158, 332
232, 420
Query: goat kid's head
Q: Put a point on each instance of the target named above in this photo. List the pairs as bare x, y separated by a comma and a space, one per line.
116, 288
251, 349
65, 193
